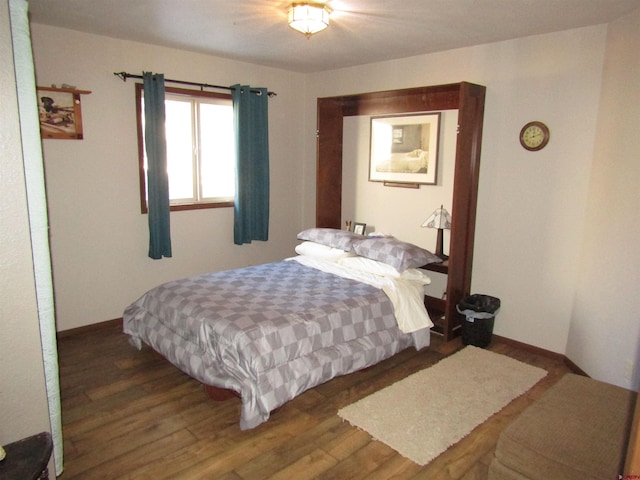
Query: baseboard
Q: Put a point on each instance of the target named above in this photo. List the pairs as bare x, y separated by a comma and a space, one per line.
531, 348
574, 368
547, 353
115, 323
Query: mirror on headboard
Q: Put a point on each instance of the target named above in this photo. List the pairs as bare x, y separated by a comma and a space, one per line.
468, 100
415, 178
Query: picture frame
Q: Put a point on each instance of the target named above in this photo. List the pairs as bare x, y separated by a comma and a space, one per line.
359, 228
60, 113
404, 149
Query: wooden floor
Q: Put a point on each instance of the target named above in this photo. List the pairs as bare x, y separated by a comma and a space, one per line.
131, 415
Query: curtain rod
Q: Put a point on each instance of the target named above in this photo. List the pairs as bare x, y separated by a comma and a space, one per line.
125, 75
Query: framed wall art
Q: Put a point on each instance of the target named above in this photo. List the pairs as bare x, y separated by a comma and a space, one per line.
404, 149
60, 112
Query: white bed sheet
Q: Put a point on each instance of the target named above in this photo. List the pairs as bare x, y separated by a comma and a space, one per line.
407, 296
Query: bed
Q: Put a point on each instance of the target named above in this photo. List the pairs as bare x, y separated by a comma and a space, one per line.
270, 332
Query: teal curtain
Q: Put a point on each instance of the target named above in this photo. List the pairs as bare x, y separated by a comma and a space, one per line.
250, 119
157, 175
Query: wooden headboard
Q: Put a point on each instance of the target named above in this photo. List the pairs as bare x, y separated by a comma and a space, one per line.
468, 99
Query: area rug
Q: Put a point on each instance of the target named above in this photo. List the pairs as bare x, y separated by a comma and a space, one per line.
426, 413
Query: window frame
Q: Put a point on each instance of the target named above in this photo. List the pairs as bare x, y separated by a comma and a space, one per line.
141, 172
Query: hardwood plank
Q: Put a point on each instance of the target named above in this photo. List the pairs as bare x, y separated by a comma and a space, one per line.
122, 437
97, 415
360, 463
128, 414
248, 445
308, 466
396, 468
347, 443
262, 466
132, 459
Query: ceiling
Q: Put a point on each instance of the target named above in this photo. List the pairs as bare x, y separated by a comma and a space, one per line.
361, 31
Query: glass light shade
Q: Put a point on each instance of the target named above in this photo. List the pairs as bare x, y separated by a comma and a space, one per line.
308, 18
440, 218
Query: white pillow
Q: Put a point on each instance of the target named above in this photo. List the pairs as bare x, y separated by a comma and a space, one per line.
367, 265
417, 275
322, 252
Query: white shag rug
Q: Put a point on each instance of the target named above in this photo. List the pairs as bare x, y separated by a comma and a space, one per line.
424, 414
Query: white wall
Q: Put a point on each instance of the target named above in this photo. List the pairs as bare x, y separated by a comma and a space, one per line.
21, 369
559, 251
604, 338
531, 206
99, 238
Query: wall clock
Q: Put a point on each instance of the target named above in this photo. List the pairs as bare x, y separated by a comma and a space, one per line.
534, 136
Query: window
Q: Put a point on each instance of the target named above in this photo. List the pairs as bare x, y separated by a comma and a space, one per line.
200, 149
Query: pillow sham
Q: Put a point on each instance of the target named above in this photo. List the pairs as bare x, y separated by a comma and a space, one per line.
398, 254
331, 237
317, 250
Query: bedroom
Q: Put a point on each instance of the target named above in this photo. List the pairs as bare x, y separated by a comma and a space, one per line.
550, 204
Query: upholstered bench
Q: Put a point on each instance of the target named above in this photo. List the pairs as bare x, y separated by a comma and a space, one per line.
577, 430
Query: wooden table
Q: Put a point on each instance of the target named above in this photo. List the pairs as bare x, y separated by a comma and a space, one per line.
27, 459
437, 306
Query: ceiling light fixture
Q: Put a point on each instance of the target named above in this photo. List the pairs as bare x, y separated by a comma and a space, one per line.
308, 18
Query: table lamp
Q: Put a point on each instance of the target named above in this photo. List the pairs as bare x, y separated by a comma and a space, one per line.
439, 219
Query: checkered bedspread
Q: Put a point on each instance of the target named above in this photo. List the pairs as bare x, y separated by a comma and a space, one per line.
269, 332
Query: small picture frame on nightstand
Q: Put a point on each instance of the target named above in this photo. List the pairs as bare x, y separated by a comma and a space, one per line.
359, 228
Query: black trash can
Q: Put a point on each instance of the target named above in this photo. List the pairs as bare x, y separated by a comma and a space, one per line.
480, 312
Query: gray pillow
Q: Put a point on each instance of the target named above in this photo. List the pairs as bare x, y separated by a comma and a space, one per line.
331, 237
398, 254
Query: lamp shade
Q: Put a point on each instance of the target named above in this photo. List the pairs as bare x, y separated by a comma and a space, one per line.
308, 18
440, 218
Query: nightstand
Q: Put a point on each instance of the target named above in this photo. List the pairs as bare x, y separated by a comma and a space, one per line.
437, 306
442, 267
